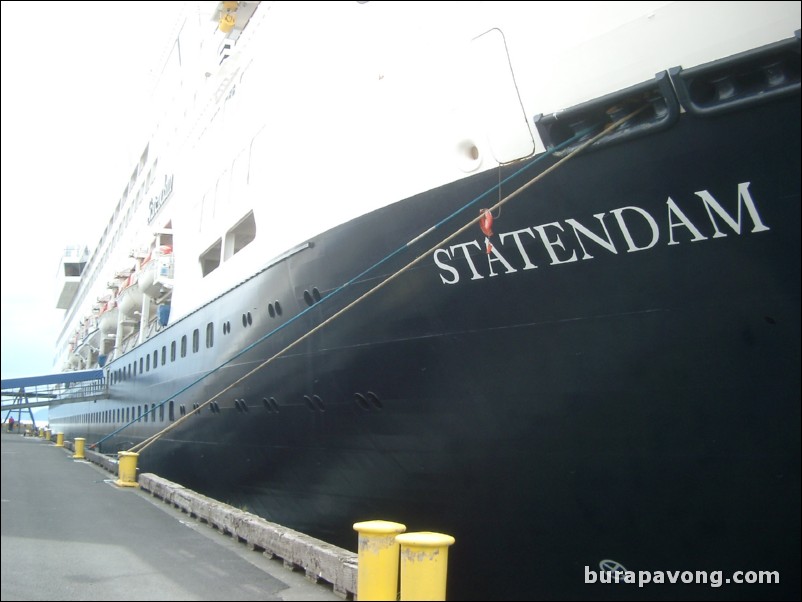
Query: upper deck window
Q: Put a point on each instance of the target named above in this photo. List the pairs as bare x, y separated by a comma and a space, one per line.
240, 235
210, 258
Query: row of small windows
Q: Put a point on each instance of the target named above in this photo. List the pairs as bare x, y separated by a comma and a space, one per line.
141, 413
152, 361
138, 413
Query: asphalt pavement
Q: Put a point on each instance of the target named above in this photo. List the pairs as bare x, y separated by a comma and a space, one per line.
69, 533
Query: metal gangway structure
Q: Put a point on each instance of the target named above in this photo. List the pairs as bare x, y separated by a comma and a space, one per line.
39, 391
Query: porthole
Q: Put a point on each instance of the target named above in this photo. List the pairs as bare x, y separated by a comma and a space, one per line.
362, 401
374, 399
271, 405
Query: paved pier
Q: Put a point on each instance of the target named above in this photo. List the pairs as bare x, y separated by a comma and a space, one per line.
69, 533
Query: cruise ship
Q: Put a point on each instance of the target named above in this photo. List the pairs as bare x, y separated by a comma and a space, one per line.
524, 273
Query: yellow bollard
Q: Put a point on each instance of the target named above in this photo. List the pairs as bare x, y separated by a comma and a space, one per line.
126, 469
47, 434
377, 570
79, 448
41, 433
424, 565
59, 439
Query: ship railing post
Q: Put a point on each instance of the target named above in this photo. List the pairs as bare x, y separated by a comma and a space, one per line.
424, 565
377, 561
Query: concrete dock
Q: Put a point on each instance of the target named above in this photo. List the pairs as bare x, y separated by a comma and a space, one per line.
70, 533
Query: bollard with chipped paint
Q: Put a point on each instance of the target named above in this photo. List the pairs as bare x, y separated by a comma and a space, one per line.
59, 439
377, 571
79, 448
424, 565
126, 469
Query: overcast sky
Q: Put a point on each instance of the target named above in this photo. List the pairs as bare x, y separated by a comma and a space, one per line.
75, 78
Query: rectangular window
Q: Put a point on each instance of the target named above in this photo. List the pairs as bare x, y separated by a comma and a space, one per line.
209, 335
210, 258
184, 346
240, 236
195, 341
172, 351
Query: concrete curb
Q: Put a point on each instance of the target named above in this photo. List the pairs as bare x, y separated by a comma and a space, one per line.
319, 560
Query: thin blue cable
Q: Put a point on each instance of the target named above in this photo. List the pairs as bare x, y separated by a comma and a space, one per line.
359, 276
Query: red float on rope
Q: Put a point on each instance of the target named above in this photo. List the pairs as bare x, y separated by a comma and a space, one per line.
486, 224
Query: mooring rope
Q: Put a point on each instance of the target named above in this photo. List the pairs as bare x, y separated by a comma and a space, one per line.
356, 278
140, 447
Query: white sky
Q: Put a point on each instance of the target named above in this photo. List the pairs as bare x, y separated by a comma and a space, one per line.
75, 82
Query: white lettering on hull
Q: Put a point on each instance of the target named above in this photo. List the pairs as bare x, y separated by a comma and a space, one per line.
639, 230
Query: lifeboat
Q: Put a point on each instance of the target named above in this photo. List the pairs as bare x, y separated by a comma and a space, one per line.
74, 358
107, 318
155, 276
129, 299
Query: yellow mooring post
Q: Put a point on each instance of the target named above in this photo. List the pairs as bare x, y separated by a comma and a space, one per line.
59, 439
126, 469
377, 570
79, 448
424, 565
47, 434
41, 433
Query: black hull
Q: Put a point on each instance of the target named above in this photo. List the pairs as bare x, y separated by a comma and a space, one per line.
641, 406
